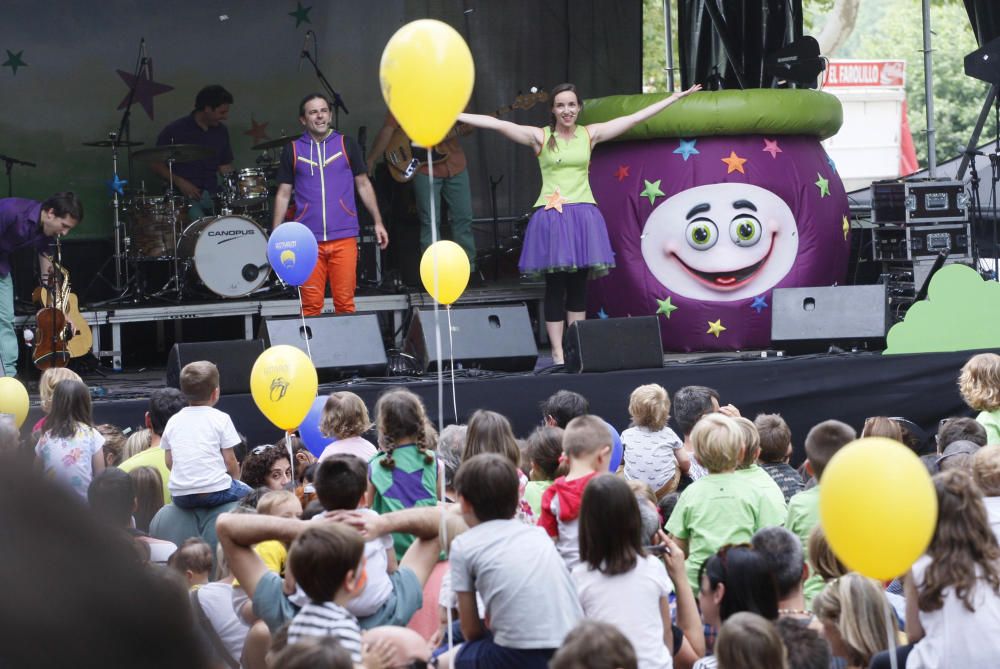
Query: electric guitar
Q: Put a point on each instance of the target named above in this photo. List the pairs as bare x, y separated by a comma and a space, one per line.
404, 159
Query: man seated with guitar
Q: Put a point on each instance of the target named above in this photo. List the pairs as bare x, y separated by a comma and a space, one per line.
451, 180
28, 224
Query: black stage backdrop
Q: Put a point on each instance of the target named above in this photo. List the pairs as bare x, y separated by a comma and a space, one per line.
805, 390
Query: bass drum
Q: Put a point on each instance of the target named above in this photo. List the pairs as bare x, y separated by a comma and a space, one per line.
228, 254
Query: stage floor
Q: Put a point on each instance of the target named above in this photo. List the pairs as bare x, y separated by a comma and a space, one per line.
804, 389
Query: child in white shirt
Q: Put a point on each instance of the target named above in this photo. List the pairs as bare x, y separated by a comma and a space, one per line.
199, 441
654, 454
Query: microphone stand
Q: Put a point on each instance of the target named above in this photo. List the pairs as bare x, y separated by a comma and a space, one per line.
9, 163
338, 102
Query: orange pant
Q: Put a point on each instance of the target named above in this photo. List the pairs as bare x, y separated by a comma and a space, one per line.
338, 262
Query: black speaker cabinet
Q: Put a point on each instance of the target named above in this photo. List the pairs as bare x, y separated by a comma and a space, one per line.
610, 344
815, 318
342, 345
496, 338
233, 358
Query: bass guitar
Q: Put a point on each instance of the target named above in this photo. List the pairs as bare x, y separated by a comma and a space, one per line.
404, 159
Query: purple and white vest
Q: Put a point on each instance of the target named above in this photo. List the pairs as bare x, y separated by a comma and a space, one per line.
324, 187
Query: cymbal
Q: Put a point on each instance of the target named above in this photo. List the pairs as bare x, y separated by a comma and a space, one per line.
272, 143
107, 143
179, 153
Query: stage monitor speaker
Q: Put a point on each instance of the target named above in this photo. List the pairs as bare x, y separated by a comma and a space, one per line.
233, 358
342, 346
610, 344
496, 338
815, 318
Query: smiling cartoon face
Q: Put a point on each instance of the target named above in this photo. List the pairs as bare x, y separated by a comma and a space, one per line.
720, 242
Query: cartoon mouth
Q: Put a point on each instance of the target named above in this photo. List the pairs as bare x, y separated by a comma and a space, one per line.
730, 279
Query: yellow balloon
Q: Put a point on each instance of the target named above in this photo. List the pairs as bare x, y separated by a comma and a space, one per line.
452, 266
878, 507
14, 399
426, 75
283, 384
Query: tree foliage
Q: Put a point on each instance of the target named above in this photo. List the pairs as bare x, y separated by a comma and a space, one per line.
886, 29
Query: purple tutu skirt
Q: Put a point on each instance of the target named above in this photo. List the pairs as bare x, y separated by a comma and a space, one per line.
576, 239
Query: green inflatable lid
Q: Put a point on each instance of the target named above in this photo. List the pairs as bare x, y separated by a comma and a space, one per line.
758, 111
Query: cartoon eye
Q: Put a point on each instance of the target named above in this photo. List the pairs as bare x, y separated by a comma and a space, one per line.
745, 231
702, 234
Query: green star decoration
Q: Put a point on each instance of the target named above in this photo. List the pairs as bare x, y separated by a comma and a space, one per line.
14, 61
301, 14
652, 190
666, 307
823, 184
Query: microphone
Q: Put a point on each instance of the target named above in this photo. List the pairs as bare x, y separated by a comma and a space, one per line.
302, 52
970, 152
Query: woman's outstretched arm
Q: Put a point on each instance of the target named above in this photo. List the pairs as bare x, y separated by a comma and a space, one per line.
602, 132
522, 134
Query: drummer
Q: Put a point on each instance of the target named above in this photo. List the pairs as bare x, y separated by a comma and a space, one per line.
198, 180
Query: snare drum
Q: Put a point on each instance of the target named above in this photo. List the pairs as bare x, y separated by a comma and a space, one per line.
156, 224
228, 254
247, 187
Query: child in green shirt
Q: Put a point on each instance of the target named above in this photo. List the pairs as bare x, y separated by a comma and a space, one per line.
545, 450
719, 508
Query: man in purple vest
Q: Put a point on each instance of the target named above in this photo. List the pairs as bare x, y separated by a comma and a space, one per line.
28, 224
325, 168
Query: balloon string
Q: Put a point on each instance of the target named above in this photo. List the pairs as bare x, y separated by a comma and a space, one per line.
890, 627
451, 358
291, 456
437, 347
305, 330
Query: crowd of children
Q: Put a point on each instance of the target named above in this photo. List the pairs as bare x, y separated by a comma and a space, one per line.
402, 547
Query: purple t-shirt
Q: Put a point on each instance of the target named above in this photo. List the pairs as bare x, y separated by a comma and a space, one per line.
202, 173
19, 228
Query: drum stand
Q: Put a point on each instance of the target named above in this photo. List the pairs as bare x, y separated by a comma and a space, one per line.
174, 284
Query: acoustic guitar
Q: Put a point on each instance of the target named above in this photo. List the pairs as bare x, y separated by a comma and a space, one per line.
79, 337
405, 159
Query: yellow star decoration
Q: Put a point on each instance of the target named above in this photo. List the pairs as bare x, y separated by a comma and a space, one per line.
556, 201
716, 328
735, 164
846, 227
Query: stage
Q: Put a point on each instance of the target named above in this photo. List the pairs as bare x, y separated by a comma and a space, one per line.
804, 389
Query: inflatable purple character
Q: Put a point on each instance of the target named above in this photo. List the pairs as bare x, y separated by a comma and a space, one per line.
713, 205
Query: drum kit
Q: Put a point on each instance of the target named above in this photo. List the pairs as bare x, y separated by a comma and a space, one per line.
213, 256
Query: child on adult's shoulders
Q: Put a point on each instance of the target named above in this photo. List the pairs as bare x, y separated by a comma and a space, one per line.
199, 441
653, 453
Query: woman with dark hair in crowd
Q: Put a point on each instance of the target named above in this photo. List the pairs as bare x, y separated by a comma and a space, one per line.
737, 578
267, 467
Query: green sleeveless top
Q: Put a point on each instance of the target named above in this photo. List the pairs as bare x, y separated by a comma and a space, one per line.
566, 169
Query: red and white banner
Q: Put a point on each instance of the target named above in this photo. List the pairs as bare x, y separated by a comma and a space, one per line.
881, 73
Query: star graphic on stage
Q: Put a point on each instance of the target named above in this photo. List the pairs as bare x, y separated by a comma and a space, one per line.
687, 149
258, 131
145, 88
14, 61
301, 14
734, 163
621, 172
771, 146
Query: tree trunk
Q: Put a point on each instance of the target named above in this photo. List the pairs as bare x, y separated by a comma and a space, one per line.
838, 27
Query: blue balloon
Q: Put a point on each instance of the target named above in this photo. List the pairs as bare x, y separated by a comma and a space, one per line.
616, 448
314, 440
292, 252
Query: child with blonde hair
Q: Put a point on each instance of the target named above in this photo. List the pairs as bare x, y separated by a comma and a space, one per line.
47, 386
587, 444
719, 508
986, 472
345, 417
654, 454
979, 384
